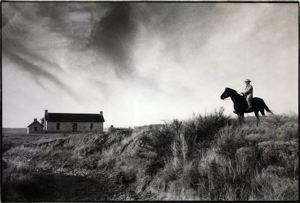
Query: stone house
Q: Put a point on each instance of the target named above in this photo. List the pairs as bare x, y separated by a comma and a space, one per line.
35, 127
72, 122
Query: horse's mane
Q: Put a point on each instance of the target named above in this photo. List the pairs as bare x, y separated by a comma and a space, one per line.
232, 90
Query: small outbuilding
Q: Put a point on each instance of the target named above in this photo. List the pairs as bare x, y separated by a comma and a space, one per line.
35, 127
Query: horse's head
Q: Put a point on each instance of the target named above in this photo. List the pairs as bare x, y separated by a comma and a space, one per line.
226, 93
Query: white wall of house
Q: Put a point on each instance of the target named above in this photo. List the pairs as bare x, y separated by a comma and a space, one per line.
68, 126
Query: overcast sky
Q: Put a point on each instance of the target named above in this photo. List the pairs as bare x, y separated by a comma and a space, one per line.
144, 63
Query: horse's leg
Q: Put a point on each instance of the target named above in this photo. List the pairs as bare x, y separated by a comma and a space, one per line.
257, 117
262, 111
243, 118
240, 119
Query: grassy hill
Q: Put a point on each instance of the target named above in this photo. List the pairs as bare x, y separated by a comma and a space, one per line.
207, 157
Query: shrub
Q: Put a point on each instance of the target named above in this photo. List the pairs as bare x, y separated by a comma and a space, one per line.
201, 130
229, 140
126, 175
267, 186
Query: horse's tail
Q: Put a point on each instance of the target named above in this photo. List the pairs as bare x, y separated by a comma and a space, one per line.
266, 107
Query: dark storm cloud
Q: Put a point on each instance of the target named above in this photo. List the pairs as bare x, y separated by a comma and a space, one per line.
112, 27
27, 61
15, 41
12, 47
36, 71
114, 34
57, 13
5, 21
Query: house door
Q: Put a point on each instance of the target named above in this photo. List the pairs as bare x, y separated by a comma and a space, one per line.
74, 127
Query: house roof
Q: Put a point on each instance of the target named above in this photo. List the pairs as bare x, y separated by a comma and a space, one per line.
35, 122
72, 117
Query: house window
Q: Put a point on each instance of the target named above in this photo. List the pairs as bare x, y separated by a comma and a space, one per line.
57, 126
74, 127
92, 126
35, 128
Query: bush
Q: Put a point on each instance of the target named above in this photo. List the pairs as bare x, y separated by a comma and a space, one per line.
230, 139
201, 130
267, 186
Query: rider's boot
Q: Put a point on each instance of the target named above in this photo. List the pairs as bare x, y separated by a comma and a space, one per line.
249, 108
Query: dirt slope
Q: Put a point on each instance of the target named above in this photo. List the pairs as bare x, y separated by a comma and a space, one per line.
205, 158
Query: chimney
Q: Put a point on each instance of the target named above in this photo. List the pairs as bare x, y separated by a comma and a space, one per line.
35, 120
101, 113
46, 115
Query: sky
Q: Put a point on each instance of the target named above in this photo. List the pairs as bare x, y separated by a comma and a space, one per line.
145, 63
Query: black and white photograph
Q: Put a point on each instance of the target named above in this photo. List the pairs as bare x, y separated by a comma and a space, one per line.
149, 101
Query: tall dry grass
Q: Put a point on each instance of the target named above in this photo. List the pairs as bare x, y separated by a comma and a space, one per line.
245, 162
208, 157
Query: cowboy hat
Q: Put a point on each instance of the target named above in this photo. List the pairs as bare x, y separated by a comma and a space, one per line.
247, 80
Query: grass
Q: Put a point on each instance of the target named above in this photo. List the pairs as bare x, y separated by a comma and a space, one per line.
208, 157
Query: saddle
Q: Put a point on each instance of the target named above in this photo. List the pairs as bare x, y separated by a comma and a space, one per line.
247, 106
248, 110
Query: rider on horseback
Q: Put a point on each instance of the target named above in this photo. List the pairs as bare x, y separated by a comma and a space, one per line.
248, 93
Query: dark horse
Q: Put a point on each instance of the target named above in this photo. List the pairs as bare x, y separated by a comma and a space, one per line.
240, 104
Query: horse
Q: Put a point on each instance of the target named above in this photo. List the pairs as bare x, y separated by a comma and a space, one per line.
240, 104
